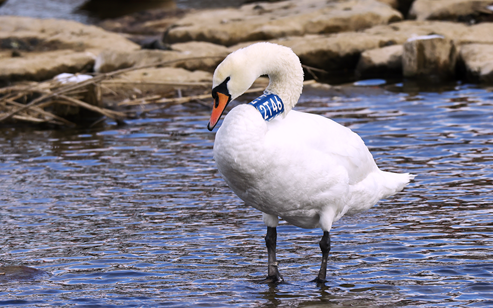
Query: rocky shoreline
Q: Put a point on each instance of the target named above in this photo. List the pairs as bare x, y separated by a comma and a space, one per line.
441, 39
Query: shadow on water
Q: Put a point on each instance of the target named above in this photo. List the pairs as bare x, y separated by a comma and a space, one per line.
138, 215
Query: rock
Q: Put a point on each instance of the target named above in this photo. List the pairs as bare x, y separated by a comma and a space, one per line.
44, 65
142, 26
201, 49
108, 61
392, 3
380, 62
340, 53
458, 32
481, 33
266, 21
38, 49
152, 43
429, 56
19, 272
335, 52
476, 60
165, 74
400, 32
152, 81
454, 10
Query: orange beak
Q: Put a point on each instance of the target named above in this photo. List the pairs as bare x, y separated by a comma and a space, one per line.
220, 103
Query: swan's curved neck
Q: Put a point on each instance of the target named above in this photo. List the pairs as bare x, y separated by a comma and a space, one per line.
241, 68
285, 74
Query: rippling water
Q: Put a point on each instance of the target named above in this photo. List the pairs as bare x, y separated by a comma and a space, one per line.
138, 216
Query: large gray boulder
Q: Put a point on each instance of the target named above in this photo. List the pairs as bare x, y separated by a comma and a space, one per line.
448, 9
266, 21
477, 61
38, 49
380, 62
429, 56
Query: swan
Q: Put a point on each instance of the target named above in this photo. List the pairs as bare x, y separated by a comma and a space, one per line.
304, 168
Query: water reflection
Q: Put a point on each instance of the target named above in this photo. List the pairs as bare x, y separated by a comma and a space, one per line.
103, 9
138, 216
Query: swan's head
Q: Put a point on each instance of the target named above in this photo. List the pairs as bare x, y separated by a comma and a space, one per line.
231, 79
240, 69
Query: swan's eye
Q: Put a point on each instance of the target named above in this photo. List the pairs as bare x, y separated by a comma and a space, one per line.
221, 88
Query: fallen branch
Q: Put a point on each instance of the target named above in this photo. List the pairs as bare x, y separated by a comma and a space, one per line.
67, 88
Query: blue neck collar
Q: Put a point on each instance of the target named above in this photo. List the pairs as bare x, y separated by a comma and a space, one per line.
269, 106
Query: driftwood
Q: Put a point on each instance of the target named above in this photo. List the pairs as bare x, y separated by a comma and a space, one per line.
53, 92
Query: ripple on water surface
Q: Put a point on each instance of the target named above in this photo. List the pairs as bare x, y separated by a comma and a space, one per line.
138, 215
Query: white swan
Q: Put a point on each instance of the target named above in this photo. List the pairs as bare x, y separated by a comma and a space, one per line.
301, 167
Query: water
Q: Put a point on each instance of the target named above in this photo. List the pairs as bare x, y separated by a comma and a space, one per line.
138, 216
92, 11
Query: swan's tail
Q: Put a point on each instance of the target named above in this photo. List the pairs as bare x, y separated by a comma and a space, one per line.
395, 182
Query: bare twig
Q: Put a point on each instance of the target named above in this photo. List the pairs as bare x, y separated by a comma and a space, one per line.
45, 113
33, 119
311, 71
314, 69
172, 84
138, 101
97, 122
115, 115
181, 100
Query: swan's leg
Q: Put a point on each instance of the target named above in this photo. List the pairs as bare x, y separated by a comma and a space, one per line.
325, 247
273, 271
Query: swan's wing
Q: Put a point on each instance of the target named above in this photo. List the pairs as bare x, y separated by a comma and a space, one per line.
318, 138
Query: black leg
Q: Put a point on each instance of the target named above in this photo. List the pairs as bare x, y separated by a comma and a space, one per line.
325, 247
273, 271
